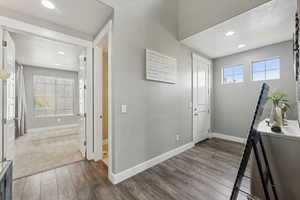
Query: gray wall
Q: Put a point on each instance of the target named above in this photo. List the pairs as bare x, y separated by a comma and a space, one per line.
195, 16
36, 122
156, 111
234, 104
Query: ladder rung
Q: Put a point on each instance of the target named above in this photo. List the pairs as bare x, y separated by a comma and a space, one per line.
248, 177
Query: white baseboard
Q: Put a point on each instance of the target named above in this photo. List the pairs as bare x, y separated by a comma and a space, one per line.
228, 137
51, 128
117, 178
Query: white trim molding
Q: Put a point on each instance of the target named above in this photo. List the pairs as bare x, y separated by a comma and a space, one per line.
229, 137
117, 178
43, 32
40, 31
52, 128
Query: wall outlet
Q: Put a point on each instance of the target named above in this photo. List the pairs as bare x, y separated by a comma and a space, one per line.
123, 108
177, 137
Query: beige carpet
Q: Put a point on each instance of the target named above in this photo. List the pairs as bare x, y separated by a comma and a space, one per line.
40, 151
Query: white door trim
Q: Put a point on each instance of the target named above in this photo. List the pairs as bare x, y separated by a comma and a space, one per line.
209, 62
19, 26
106, 31
43, 32
1, 101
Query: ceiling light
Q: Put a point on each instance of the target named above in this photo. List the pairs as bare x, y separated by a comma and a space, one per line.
241, 46
48, 4
61, 53
230, 33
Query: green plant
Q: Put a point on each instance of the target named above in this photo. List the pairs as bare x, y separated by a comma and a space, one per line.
279, 98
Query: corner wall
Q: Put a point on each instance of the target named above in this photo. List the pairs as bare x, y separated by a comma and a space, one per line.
233, 106
157, 112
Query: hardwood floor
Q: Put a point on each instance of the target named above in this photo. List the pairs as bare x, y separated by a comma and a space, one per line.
205, 172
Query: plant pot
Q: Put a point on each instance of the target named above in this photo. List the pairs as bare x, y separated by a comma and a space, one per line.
276, 116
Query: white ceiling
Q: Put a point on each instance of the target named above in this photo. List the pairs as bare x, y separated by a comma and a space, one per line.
40, 52
81, 18
267, 24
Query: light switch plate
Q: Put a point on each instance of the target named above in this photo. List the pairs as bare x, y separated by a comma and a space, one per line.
123, 108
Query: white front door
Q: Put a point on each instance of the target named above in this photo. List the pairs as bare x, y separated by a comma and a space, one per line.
82, 95
9, 99
201, 99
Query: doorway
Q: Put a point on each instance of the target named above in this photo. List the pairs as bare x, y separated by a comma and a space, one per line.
44, 103
102, 97
105, 101
201, 98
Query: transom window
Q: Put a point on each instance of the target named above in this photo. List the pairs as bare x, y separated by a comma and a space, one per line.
266, 70
53, 96
234, 74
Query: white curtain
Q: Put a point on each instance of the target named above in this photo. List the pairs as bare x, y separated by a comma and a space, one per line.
21, 102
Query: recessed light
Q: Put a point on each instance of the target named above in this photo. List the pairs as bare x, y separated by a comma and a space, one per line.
230, 33
48, 4
241, 46
61, 52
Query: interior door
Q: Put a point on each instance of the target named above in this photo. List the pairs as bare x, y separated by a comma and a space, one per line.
201, 104
82, 96
9, 102
98, 95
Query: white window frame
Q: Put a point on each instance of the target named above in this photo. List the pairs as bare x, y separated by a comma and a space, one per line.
264, 60
222, 74
55, 109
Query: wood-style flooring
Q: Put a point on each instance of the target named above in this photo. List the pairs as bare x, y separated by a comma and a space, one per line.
205, 172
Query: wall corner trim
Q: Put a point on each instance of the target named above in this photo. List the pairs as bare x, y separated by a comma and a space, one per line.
117, 178
229, 138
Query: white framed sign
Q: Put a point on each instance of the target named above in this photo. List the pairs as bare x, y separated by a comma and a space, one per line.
160, 67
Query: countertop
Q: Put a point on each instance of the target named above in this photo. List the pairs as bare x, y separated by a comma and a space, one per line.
292, 131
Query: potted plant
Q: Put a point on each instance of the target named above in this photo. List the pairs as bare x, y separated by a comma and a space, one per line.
280, 106
284, 108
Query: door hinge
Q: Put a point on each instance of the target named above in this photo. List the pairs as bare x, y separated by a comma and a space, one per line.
4, 43
85, 87
84, 143
84, 59
84, 115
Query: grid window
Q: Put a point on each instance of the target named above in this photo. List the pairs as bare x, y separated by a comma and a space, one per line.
53, 96
233, 74
266, 70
